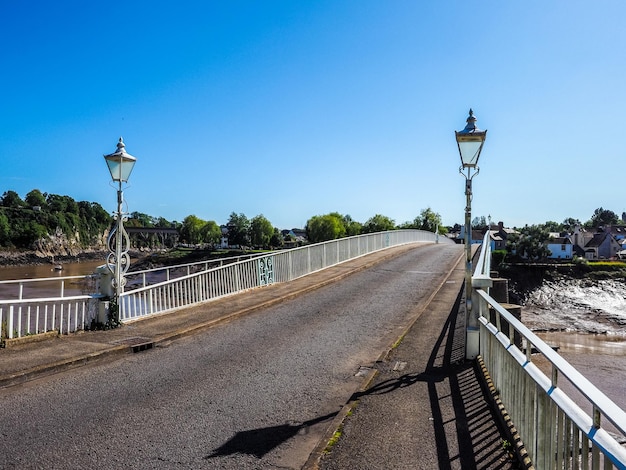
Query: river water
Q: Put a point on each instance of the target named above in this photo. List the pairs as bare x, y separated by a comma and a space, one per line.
50, 288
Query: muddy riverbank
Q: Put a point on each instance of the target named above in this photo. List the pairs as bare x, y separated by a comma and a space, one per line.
569, 299
31, 258
584, 317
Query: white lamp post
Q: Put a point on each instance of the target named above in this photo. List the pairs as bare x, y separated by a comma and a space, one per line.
120, 165
470, 142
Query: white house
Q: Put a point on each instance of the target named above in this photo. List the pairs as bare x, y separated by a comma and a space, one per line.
560, 248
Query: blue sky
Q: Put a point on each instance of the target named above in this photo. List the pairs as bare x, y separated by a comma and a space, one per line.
292, 109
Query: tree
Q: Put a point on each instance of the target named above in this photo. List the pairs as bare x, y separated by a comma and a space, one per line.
321, 228
5, 229
12, 199
238, 230
261, 231
80, 221
530, 243
162, 222
479, 223
277, 239
92, 221
211, 232
570, 224
409, 225
352, 227
602, 217
378, 223
35, 199
139, 219
191, 230
552, 226
28, 233
64, 204
429, 220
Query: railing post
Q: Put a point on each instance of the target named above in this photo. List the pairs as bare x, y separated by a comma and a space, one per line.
472, 345
10, 332
308, 252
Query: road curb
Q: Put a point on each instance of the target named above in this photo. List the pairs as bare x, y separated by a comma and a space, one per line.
60, 366
336, 424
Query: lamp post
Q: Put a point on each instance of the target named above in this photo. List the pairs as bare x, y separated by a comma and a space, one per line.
470, 142
120, 166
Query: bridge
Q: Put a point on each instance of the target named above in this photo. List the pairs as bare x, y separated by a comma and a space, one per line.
550, 429
153, 236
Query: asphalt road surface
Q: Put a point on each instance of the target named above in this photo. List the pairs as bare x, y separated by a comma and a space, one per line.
255, 393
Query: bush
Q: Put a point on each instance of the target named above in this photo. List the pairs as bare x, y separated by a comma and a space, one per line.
498, 257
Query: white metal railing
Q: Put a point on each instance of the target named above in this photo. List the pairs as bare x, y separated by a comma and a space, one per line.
556, 431
25, 315
20, 318
19, 288
144, 277
279, 266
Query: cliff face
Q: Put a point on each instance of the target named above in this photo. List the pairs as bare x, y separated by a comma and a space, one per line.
57, 246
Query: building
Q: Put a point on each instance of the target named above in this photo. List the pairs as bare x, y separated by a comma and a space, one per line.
560, 248
605, 243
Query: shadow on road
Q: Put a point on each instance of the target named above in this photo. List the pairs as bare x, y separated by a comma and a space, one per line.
259, 442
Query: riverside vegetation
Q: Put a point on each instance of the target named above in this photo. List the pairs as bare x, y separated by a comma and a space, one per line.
48, 227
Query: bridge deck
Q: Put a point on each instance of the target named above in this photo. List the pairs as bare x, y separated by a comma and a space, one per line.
424, 409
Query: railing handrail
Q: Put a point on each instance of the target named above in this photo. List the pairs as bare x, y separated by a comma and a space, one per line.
259, 255
178, 279
50, 299
195, 263
45, 279
598, 399
483, 266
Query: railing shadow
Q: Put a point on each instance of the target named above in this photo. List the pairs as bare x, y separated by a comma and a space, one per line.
478, 444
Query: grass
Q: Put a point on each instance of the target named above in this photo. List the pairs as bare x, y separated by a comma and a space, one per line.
334, 439
398, 342
337, 434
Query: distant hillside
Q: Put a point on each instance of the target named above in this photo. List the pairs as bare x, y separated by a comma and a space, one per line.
51, 223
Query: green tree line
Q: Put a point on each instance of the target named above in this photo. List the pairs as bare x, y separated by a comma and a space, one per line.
24, 221
331, 226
